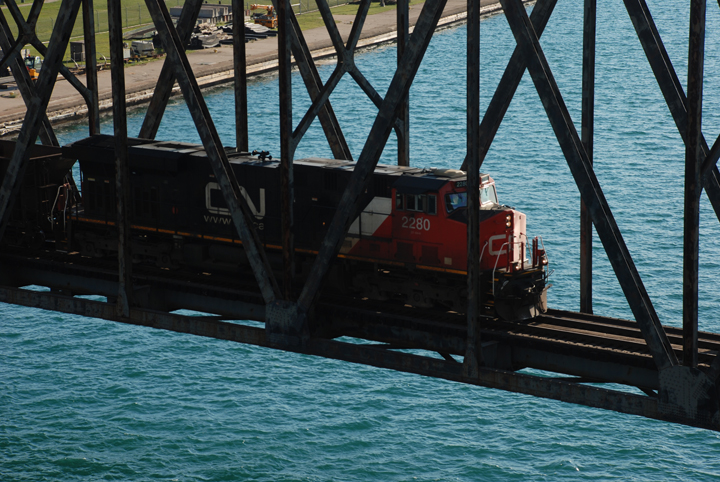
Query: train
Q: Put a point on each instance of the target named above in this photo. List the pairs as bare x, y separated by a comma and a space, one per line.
406, 244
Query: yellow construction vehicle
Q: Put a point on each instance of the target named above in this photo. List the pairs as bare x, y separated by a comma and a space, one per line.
33, 65
267, 19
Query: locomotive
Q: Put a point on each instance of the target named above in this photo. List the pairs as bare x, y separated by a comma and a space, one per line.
408, 240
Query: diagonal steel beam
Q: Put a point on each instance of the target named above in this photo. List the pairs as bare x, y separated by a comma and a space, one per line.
379, 133
318, 103
166, 80
358, 23
332, 29
320, 93
313, 84
11, 51
671, 89
24, 83
36, 109
712, 157
28, 30
509, 83
589, 187
224, 174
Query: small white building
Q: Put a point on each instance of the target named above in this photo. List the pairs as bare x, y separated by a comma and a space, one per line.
211, 13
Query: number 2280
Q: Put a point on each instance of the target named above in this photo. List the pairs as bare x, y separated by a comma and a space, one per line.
416, 223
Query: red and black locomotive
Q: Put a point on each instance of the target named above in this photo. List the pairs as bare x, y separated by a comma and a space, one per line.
408, 240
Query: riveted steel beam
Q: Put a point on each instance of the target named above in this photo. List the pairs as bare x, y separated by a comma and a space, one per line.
586, 133
374, 145
495, 112
589, 187
122, 174
91, 66
403, 32
36, 108
242, 134
473, 353
672, 90
224, 174
166, 79
287, 150
369, 354
693, 187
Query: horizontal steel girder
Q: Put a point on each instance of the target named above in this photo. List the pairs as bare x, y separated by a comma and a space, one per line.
373, 355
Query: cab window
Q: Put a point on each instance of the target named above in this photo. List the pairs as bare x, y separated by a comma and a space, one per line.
421, 203
455, 200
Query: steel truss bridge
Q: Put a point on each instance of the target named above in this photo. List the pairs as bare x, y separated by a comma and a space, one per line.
676, 370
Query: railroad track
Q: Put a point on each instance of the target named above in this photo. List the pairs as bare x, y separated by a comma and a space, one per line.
573, 334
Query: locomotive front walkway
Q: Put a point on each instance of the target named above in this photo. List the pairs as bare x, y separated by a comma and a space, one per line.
215, 66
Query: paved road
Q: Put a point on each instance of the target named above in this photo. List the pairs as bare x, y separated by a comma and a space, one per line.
139, 78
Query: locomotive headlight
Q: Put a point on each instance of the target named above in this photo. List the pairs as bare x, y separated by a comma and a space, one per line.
508, 220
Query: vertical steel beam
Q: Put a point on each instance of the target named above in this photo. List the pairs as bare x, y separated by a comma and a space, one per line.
693, 186
224, 174
403, 32
590, 190
242, 136
509, 83
122, 175
166, 80
374, 145
91, 66
586, 133
473, 352
671, 89
286, 143
36, 110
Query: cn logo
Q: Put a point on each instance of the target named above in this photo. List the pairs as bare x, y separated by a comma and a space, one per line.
213, 186
494, 242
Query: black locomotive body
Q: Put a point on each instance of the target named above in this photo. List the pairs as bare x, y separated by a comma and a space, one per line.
407, 241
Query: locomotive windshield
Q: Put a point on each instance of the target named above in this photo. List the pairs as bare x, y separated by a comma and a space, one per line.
488, 195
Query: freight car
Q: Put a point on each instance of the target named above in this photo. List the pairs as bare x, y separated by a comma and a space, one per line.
46, 196
408, 240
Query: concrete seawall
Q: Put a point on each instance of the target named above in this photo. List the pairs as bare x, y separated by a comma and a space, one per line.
215, 66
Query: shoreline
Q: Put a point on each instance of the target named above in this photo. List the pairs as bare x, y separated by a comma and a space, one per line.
69, 106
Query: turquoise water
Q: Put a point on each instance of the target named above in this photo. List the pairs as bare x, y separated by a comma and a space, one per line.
84, 399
